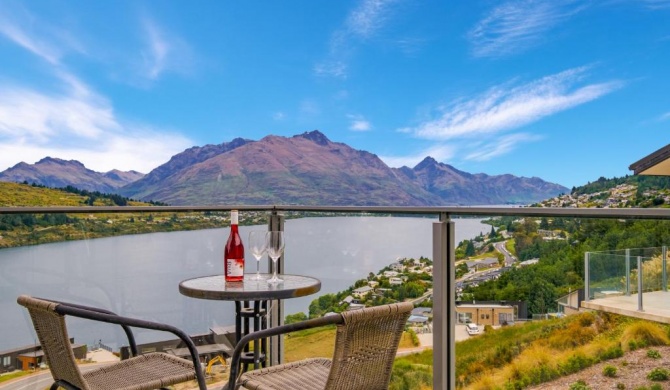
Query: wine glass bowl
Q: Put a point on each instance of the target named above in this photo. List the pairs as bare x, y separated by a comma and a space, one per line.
257, 247
275, 247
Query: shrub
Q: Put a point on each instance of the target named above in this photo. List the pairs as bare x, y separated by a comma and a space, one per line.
620, 386
613, 352
576, 362
656, 386
658, 374
488, 328
413, 337
586, 319
579, 385
644, 333
654, 354
609, 371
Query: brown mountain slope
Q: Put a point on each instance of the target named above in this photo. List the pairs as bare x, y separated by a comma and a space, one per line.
310, 169
304, 169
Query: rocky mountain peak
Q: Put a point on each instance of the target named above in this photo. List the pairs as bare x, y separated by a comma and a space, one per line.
315, 136
52, 160
426, 163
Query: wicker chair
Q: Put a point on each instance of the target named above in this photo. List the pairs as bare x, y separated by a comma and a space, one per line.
150, 371
365, 346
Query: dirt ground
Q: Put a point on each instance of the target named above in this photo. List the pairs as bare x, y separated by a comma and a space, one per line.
632, 370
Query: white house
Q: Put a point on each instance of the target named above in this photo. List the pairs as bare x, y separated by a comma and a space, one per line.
361, 291
390, 274
395, 281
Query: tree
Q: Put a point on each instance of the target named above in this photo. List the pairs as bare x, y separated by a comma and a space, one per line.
493, 232
470, 249
293, 318
544, 223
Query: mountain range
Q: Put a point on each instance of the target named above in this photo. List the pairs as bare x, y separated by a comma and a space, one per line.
306, 169
57, 173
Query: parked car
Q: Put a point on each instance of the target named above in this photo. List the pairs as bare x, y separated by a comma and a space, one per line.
472, 329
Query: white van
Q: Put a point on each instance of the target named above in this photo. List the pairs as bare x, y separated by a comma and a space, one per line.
472, 329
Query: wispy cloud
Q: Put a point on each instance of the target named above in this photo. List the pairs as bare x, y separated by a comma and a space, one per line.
515, 26
657, 4
439, 153
278, 116
368, 18
359, 123
39, 37
499, 146
507, 107
77, 124
157, 50
664, 117
362, 23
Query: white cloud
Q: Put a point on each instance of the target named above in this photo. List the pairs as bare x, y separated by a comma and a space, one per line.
309, 107
332, 68
506, 107
157, 50
517, 25
81, 125
39, 37
363, 22
439, 153
359, 123
368, 18
500, 146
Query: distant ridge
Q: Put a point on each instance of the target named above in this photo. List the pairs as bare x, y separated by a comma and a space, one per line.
57, 173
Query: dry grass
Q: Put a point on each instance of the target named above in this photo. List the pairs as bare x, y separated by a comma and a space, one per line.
642, 334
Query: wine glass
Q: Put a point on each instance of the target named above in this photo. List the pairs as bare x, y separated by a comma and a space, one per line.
258, 247
275, 247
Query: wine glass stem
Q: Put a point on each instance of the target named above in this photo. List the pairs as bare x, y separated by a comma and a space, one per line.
274, 274
258, 267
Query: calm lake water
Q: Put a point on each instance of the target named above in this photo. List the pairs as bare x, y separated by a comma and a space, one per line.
138, 275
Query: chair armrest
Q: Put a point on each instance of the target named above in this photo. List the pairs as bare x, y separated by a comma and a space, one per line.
105, 316
265, 333
126, 329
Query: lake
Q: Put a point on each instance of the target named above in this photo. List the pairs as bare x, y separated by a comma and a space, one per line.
138, 275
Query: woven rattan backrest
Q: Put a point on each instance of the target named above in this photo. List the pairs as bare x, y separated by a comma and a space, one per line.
365, 347
52, 333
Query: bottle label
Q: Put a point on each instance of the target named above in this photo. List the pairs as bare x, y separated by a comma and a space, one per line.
234, 217
235, 267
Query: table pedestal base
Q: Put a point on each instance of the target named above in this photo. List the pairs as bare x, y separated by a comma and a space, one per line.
252, 313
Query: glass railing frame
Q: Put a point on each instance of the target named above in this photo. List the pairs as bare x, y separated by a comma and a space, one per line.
444, 246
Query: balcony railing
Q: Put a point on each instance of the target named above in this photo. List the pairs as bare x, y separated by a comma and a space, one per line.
48, 266
622, 280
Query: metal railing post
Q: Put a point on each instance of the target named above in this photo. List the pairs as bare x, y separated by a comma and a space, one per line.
444, 304
664, 271
276, 223
587, 283
639, 283
628, 272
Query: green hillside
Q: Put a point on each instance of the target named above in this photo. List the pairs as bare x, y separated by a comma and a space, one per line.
31, 229
642, 182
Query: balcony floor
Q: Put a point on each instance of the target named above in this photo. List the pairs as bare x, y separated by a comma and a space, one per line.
656, 306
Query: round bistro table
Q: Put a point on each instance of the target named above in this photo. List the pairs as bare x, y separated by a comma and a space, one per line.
251, 299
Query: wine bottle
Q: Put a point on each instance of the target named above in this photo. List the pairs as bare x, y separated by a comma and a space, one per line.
233, 258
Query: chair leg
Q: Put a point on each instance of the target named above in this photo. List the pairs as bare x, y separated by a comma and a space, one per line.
55, 386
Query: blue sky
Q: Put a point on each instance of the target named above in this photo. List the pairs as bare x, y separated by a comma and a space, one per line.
563, 90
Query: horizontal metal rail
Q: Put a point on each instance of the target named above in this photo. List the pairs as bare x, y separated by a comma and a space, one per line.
628, 213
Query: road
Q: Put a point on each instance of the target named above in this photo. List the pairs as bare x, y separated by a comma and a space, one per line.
42, 380
500, 247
